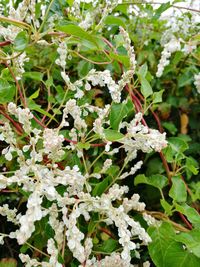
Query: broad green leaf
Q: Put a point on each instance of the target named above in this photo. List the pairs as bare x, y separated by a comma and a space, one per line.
84, 67
170, 127
178, 190
7, 91
161, 239
192, 165
159, 181
191, 240
143, 70
178, 145
112, 135
34, 75
77, 31
157, 96
178, 256
166, 252
101, 186
145, 87
112, 20
191, 214
21, 41
117, 113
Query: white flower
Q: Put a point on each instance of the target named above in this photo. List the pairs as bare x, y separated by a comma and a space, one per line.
172, 46
197, 82
53, 143
62, 51
133, 204
107, 164
1, 239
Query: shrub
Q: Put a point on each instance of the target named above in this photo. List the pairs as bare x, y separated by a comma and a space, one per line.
99, 105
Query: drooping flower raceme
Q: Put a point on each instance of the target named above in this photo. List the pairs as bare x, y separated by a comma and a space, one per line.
172, 46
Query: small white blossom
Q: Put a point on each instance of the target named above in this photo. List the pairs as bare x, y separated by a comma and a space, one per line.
169, 48
197, 82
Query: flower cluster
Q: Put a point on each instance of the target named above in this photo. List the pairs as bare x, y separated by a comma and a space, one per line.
172, 46
42, 180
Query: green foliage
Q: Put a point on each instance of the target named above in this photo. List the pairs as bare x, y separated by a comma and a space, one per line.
168, 181
168, 250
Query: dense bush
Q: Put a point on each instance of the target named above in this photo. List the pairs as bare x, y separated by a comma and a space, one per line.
99, 135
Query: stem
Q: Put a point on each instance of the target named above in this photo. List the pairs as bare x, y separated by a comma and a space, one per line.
166, 166
38, 250
45, 17
91, 61
63, 244
15, 22
185, 220
96, 159
5, 43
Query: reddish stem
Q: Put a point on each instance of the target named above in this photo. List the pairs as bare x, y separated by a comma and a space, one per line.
185, 220
14, 123
5, 43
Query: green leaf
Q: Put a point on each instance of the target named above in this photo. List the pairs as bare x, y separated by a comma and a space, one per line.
174, 150
77, 31
159, 181
112, 20
34, 75
170, 127
160, 241
166, 206
192, 165
191, 240
112, 135
7, 91
84, 67
143, 70
178, 190
166, 252
161, 9
191, 214
117, 113
21, 41
120, 58
157, 96
33, 106
101, 187
85, 146
145, 87
177, 256
35, 94
108, 246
